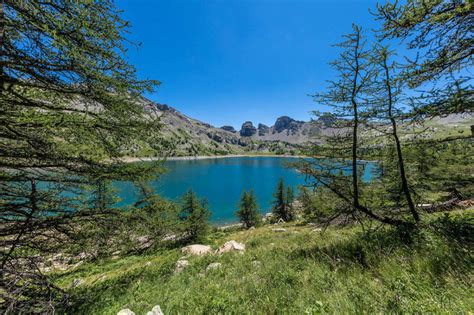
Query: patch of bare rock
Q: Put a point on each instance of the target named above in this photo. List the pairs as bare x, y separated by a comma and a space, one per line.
156, 310
231, 246
196, 250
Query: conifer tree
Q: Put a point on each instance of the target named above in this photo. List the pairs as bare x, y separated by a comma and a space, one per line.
248, 210
282, 203
194, 215
70, 107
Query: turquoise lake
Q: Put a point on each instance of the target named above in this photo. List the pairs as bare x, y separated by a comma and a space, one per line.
222, 180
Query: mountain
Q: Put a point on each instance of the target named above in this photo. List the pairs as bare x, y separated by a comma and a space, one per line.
287, 130
191, 137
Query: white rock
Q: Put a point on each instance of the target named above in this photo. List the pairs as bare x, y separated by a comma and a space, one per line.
196, 250
231, 246
125, 312
170, 237
279, 230
317, 230
156, 310
181, 265
212, 266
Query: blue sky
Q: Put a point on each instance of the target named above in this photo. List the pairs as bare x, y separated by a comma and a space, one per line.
228, 61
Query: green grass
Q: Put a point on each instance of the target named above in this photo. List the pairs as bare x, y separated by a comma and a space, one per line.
342, 270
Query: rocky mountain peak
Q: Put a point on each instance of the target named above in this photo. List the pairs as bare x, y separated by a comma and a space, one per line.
286, 123
248, 129
229, 128
263, 129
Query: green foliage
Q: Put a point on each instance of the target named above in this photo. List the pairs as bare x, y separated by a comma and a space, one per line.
248, 210
71, 106
194, 215
342, 270
283, 202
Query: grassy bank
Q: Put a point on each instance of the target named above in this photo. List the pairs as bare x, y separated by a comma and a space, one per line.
340, 270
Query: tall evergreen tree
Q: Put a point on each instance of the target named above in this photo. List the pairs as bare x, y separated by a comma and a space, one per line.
350, 97
195, 216
282, 203
70, 106
248, 210
441, 34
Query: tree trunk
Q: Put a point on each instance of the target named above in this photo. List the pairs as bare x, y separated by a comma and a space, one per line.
401, 163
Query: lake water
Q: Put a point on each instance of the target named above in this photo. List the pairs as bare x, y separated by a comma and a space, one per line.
221, 181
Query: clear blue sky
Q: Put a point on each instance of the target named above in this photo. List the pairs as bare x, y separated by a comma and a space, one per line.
228, 61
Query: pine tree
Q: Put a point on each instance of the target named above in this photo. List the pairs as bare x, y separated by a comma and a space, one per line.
282, 203
290, 198
70, 107
338, 168
248, 210
194, 215
442, 31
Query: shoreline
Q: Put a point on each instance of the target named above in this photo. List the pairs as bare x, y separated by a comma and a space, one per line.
205, 157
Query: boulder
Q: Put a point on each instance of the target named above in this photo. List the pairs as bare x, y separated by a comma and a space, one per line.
196, 250
212, 266
181, 264
125, 312
156, 310
231, 246
279, 230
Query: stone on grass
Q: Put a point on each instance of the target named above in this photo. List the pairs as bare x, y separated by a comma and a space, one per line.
125, 312
212, 266
317, 230
279, 230
156, 310
181, 265
196, 250
232, 246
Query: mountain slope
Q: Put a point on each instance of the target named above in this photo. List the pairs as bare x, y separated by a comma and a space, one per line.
191, 137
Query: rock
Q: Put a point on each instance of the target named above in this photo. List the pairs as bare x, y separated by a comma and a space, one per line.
279, 230
196, 250
286, 123
248, 129
125, 312
181, 265
229, 128
169, 237
156, 310
212, 266
231, 246
252, 228
317, 230
263, 129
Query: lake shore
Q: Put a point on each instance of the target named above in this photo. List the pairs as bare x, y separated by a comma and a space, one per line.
205, 157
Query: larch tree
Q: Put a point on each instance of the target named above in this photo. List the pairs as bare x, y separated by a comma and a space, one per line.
70, 107
248, 210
